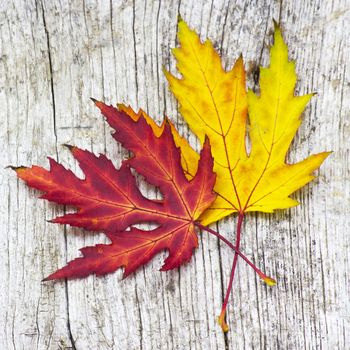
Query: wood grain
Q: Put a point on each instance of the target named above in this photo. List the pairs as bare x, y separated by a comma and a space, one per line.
54, 55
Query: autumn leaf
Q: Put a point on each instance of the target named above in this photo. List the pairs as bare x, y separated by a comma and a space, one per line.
109, 200
215, 104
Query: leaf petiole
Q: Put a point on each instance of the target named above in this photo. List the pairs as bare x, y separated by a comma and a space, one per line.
268, 280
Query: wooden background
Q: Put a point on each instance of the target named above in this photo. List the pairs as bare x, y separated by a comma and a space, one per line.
54, 55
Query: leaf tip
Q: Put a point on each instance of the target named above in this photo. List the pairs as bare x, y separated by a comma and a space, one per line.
182, 28
70, 147
239, 63
276, 25
17, 169
11, 167
277, 32
97, 103
166, 121
222, 323
206, 140
49, 278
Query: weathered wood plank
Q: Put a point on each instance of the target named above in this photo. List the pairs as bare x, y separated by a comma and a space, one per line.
54, 55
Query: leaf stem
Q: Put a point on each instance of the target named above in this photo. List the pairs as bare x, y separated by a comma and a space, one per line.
222, 317
268, 280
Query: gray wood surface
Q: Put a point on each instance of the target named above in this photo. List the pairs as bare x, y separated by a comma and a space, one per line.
54, 55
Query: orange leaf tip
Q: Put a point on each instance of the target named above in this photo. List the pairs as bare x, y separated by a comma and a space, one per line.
17, 169
98, 104
70, 147
221, 321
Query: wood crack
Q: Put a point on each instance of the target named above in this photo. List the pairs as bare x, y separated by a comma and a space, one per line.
51, 77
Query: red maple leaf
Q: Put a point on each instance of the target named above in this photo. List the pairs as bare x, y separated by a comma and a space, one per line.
109, 200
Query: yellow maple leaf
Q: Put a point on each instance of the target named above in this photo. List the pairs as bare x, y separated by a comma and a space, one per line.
215, 103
